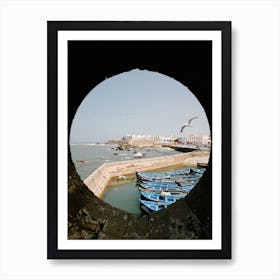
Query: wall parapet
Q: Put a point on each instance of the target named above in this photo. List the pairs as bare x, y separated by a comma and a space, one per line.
99, 179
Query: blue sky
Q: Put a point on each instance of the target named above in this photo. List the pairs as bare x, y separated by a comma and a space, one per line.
137, 102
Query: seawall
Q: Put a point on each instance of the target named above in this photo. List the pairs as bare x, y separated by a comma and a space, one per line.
99, 179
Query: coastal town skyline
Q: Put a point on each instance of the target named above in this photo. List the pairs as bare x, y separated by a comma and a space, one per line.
192, 139
137, 102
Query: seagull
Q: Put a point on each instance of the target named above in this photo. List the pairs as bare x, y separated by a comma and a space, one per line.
187, 124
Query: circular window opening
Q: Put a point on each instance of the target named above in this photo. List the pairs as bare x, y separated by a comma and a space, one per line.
140, 121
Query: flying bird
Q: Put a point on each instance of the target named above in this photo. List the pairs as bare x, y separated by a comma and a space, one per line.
187, 124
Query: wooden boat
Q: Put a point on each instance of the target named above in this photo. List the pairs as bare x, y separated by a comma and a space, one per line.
172, 184
162, 175
152, 206
169, 174
161, 189
149, 184
169, 178
184, 171
162, 196
174, 189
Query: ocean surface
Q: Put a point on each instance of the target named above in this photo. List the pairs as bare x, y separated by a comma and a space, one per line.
124, 196
88, 157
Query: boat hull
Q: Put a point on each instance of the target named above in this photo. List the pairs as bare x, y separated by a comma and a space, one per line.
161, 196
141, 176
160, 189
152, 206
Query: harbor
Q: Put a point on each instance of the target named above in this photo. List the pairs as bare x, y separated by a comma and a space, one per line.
99, 179
109, 170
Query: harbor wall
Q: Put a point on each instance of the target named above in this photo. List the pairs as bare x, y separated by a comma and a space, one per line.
99, 179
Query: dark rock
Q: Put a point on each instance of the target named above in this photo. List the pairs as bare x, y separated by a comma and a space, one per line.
159, 225
137, 228
86, 235
74, 233
93, 226
107, 236
116, 224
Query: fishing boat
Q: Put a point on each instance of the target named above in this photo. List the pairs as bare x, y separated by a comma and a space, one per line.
155, 189
162, 175
150, 184
161, 189
168, 173
184, 174
152, 206
162, 196
181, 179
149, 177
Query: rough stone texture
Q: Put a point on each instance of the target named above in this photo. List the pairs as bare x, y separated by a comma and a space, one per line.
91, 218
137, 228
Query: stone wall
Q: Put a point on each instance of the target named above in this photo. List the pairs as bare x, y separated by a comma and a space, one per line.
100, 178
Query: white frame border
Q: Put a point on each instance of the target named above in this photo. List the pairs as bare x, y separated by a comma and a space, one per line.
63, 38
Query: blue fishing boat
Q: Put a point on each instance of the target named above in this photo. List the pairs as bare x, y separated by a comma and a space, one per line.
171, 184
152, 206
168, 177
163, 175
183, 181
162, 196
187, 181
171, 179
150, 184
168, 173
160, 187
173, 189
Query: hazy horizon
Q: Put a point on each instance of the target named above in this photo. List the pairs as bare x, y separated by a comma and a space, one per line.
137, 102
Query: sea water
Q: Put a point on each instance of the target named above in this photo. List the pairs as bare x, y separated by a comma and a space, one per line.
88, 157
124, 196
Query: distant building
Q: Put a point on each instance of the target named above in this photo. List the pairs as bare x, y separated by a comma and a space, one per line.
198, 140
165, 139
138, 140
147, 140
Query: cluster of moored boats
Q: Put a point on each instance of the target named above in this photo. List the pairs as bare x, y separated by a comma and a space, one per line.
160, 189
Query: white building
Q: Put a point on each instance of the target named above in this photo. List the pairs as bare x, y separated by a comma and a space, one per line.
198, 140
164, 139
